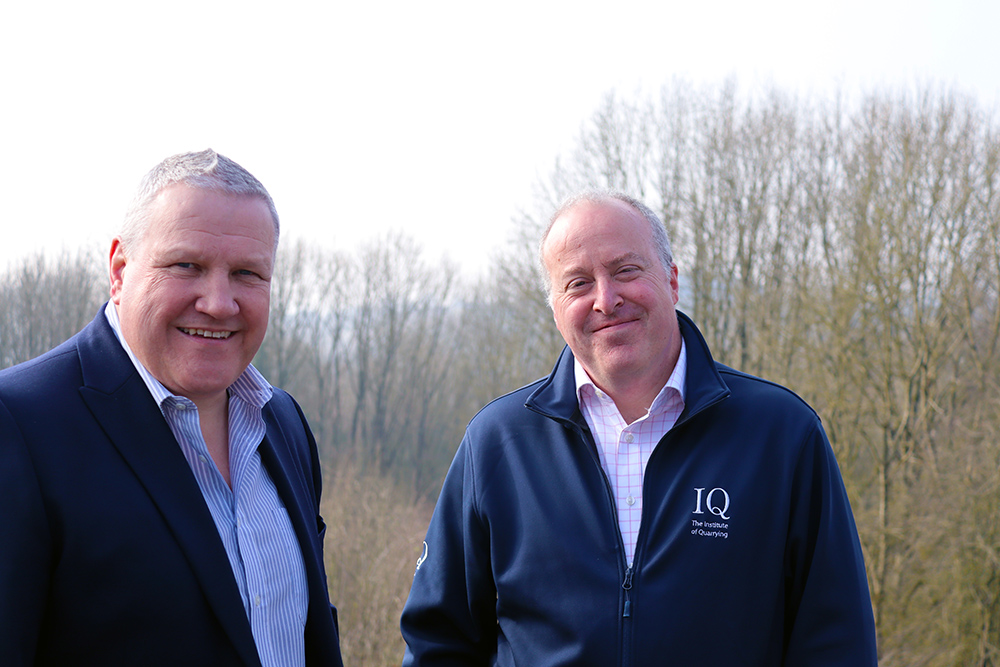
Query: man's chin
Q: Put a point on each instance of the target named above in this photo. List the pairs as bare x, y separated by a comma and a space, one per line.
615, 361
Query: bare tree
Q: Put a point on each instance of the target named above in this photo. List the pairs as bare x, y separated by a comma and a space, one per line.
849, 250
44, 301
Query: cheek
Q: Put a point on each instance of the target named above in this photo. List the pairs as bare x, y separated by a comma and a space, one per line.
134, 299
255, 306
162, 299
570, 319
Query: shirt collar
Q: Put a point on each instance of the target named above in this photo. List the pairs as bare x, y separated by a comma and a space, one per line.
675, 383
250, 386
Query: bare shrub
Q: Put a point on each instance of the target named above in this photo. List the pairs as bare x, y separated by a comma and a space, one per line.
373, 540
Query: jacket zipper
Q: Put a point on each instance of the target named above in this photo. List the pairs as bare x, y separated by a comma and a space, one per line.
627, 586
629, 569
624, 660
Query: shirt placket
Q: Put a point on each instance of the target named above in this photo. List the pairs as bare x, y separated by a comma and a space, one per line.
629, 483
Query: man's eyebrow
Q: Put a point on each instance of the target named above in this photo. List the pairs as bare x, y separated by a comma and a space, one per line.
626, 258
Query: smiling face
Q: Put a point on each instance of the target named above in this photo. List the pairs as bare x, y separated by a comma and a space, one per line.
612, 298
193, 294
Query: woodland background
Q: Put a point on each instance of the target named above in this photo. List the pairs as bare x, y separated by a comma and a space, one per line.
847, 247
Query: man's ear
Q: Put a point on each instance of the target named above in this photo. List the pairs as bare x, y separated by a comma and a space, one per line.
116, 269
675, 287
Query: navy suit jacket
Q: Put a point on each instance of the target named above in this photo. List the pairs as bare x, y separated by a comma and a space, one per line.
108, 553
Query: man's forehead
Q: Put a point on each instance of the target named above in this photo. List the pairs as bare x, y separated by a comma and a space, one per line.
584, 217
184, 218
592, 223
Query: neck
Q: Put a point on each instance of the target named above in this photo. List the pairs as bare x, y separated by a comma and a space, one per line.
634, 393
213, 416
633, 407
215, 406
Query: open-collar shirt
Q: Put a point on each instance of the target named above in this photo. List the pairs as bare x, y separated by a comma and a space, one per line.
624, 449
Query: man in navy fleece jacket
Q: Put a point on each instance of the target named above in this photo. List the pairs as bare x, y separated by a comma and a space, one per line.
642, 505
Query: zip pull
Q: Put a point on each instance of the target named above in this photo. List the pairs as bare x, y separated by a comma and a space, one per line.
627, 586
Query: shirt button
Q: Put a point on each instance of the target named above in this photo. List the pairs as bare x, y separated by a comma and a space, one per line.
628, 437
202, 458
630, 500
256, 601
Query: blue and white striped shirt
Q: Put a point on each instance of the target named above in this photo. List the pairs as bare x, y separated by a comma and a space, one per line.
251, 519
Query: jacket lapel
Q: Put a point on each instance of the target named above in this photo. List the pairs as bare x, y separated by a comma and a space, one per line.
288, 467
119, 400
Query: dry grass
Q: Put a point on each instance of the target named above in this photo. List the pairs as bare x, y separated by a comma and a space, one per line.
374, 537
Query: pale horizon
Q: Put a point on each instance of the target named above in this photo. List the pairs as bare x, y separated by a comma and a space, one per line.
435, 121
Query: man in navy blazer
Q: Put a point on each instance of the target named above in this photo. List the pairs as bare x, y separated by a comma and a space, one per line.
159, 501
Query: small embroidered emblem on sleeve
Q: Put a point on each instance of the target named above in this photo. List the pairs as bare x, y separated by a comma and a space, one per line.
423, 557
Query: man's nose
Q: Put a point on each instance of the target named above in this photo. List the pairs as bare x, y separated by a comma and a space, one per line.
606, 298
218, 296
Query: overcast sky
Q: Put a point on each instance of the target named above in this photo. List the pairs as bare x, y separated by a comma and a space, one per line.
434, 118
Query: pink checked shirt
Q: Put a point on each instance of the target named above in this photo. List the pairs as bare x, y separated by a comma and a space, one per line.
624, 449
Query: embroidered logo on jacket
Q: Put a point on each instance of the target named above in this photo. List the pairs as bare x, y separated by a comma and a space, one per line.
420, 561
716, 502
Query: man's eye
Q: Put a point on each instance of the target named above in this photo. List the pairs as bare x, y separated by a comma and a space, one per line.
628, 272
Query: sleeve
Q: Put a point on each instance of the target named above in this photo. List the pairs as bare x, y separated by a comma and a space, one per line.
450, 615
829, 619
24, 548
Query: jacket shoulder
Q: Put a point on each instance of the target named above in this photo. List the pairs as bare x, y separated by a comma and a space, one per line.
63, 365
758, 393
40, 376
506, 406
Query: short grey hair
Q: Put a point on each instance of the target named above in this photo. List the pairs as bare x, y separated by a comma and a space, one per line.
205, 170
595, 196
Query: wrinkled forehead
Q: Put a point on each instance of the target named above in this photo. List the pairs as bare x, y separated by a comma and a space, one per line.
202, 217
176, 200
